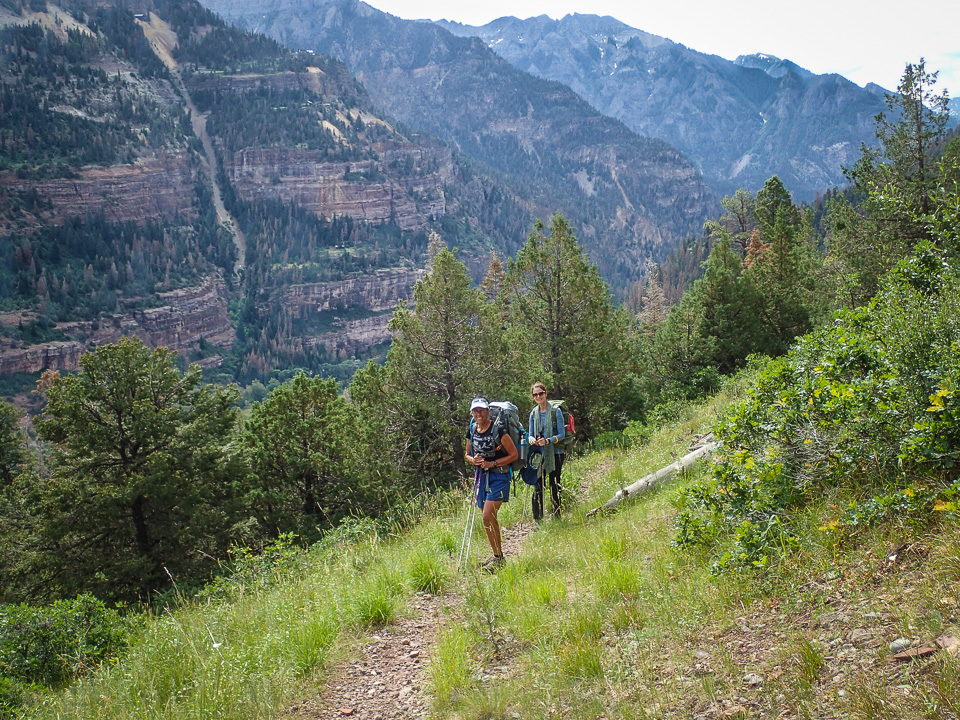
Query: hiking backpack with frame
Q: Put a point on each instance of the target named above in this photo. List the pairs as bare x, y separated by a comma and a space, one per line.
569, 427
505, 414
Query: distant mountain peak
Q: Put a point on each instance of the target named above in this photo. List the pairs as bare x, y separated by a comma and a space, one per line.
738, 125
772, 65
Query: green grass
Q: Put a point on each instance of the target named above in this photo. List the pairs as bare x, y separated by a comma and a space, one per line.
253, 650
604, 617
598, 617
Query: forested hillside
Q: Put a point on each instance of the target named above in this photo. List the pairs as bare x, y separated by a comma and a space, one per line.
629, 197
104, 213
205, 189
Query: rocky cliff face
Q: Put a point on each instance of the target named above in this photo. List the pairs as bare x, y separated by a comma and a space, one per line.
350, 337
188, 318
301, 177
741, 122
37, 358
377, 292
152, 188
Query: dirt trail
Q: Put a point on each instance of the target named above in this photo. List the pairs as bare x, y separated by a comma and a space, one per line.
388, 677
163, 40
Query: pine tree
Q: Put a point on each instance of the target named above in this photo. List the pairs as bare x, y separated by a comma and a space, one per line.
302, 440
143, 476
14, 454
730, 304
572, 329
652, 308
781, 266
897, 182
444, 352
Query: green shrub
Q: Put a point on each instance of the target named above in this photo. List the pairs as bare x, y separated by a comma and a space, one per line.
610, 440
53, 645
279, 560
871, 404
12, 696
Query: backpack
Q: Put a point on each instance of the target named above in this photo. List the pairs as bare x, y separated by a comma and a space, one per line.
505, 414
570, 430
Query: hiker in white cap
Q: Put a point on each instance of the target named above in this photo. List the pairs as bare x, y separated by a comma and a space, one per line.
490, 449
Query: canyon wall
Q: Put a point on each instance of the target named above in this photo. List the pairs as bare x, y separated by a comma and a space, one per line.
190, 317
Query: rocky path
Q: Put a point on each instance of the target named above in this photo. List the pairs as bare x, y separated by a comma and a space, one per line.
387, 678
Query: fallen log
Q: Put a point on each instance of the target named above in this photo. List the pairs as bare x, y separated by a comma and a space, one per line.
647, 482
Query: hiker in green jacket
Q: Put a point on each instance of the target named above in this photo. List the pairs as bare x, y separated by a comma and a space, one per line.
490, 449
546, 430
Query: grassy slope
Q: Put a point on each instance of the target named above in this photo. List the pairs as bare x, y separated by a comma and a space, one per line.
596, 618
603, 618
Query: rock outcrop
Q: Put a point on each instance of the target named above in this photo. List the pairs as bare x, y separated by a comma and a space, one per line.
350, 337
190, 317
301, 177
376, 292
153, 187
37, 358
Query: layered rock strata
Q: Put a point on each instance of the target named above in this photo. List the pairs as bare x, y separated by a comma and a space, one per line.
189, 317
340, 189
377, 292
151, 188
351, 336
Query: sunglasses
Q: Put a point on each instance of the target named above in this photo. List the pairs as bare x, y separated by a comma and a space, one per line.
539, 394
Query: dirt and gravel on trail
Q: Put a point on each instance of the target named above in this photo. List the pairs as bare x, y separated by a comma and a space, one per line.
387, 678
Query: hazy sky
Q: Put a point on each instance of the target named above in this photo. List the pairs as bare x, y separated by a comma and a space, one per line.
863, 40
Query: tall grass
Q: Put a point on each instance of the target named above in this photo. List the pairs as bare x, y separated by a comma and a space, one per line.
581, 614
599, 617
253, 645
605, 617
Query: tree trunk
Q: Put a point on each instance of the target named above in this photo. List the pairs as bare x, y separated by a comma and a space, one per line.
647, 482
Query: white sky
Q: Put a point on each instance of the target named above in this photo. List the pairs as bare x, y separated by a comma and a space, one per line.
863, 40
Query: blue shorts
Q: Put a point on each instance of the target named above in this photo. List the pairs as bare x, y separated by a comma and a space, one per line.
497, 487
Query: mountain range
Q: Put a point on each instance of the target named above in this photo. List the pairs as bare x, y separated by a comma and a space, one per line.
630, 197
263, 204
740, 122
169, 176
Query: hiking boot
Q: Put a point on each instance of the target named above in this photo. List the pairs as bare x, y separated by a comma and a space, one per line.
493, 563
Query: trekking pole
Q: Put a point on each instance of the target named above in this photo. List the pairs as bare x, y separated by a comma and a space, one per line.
486, 474
463, 542
473, 519
523, 507
468, 526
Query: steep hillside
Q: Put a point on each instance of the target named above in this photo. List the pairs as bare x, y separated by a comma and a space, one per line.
630, 197
157, 166
741, 122
107, 225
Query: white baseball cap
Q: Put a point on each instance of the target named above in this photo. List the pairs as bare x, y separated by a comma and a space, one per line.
479, 402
